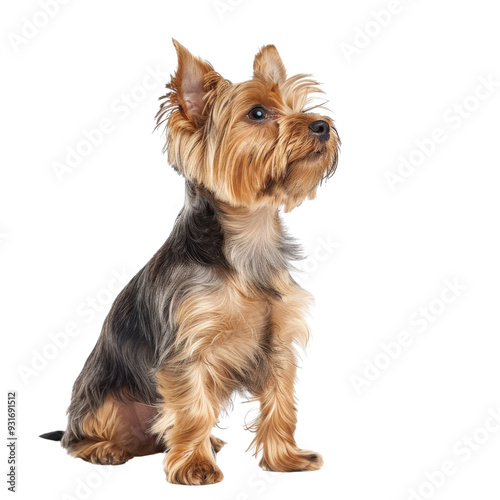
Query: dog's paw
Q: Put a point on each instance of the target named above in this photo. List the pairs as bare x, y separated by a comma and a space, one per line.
101, 453
293, 461
194, 473
192, 466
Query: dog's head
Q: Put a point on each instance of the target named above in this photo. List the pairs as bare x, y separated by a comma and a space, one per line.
247, 143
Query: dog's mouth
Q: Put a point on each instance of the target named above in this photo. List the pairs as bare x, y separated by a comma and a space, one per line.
316, 153
312, 160
320, 159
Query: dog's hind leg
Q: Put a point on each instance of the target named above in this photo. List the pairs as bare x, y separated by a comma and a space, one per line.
115, 433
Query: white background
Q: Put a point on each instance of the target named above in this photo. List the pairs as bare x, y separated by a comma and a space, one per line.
62, 240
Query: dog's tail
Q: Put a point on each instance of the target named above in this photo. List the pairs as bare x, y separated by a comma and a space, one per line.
53, 436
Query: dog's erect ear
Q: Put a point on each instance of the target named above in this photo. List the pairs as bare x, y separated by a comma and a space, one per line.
268, 64
188, 82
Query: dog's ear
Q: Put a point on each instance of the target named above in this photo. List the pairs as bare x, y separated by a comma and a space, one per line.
268, 64
188, 83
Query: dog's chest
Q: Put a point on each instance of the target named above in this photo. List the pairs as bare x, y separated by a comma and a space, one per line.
247, 320
224, 320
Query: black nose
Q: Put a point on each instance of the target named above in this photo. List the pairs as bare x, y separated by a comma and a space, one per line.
321, 130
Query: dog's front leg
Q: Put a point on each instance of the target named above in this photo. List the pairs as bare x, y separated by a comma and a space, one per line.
190, 411
276, 423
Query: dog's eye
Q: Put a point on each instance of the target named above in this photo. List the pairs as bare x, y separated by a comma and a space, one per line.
257, 114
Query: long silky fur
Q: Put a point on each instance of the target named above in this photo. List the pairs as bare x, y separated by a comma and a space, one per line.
215, 310
138, 333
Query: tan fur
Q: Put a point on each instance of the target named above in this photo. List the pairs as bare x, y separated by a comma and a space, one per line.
221, 331
276, 423
116, 432
240, 163
268, 65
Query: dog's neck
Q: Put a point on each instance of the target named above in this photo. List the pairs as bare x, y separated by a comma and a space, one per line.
255, 244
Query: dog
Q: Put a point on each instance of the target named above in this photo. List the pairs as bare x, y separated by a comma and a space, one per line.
215, 311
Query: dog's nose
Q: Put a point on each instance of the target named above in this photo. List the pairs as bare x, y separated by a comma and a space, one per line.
320, 129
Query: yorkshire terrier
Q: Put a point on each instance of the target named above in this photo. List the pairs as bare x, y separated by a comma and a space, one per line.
215, 311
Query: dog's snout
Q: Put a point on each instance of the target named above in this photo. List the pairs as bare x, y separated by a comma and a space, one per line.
320, 129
